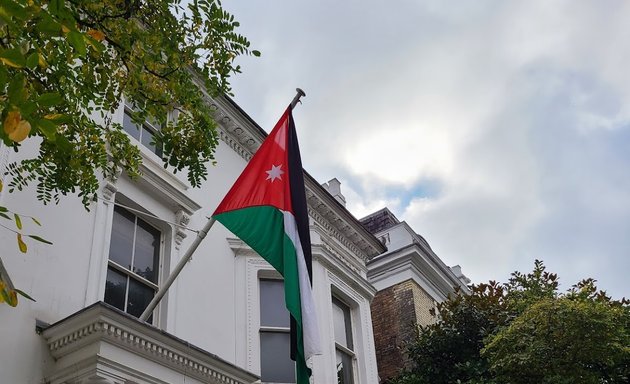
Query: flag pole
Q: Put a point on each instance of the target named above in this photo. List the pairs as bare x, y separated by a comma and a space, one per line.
193, 247
297, 97
167, 284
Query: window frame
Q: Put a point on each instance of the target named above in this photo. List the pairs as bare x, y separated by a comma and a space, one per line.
146, 124
266, 329
348, 351
130, 273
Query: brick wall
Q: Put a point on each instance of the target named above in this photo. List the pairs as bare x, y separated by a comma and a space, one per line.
395, 313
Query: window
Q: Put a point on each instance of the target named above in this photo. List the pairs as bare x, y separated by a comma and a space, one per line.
132, 271
343, 342
144, 133
275, 342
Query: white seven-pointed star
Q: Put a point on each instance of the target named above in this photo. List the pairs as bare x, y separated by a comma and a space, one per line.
275, 173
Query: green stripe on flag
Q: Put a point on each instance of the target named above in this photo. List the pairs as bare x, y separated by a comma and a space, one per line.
262, 228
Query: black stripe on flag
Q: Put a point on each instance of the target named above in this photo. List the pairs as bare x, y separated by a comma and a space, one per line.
300, 210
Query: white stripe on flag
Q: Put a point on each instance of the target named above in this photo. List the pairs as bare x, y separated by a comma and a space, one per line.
309, 315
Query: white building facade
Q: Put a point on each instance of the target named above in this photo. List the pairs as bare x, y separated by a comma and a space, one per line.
219, 322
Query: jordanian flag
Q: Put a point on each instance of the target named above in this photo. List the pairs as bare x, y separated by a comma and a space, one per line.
266, 208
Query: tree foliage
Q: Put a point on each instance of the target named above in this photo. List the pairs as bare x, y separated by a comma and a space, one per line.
524, 331
66, 65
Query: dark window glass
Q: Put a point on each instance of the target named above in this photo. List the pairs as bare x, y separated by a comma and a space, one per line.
344, 368
276, 365
148, 139
130, 127
145, 259
139, 297
143, 133
121, 244
115, 289
273, 311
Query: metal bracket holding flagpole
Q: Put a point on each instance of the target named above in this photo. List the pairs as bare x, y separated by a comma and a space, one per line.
193, 247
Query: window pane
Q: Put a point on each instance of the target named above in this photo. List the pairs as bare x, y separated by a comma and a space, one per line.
276, 365
147, 138
145, 260
342, 324
115, 289
273, 312
121, 244
139, 297
130, 127
344, 368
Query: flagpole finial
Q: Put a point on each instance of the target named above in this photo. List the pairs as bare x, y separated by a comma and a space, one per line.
296, 99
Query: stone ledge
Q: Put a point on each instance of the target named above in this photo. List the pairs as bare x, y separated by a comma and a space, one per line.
101, 333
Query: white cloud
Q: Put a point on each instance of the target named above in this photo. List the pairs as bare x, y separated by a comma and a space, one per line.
519, 111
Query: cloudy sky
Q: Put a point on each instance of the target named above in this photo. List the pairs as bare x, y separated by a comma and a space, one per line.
499, 130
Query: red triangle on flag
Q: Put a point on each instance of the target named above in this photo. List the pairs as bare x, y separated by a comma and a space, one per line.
265, 180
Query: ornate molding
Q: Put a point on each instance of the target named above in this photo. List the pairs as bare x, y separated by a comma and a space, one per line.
109, 185
234, 132
101, 323
181, 218
339, 230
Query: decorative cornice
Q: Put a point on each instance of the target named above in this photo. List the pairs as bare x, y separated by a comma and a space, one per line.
395, 266
101, 323
343, 272
238, 133
166, 186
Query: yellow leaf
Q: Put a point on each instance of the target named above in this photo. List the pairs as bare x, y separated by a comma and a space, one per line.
1, 185
96, 35
53, 116
13, 300
41, 61
16, 128
11, 121
10, 62
21, 244
64, 29
21, 132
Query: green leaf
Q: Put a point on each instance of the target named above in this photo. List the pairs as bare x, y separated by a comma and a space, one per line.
3, 209
10, 9
5, 216
256, 53
77, 41
36, 221
21, 243
27, 108
48, 128
56, 7
18, 221
24, 294
32, 60
13, 58
48, 26
35, 237
4, 76
16, 91
49, 99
